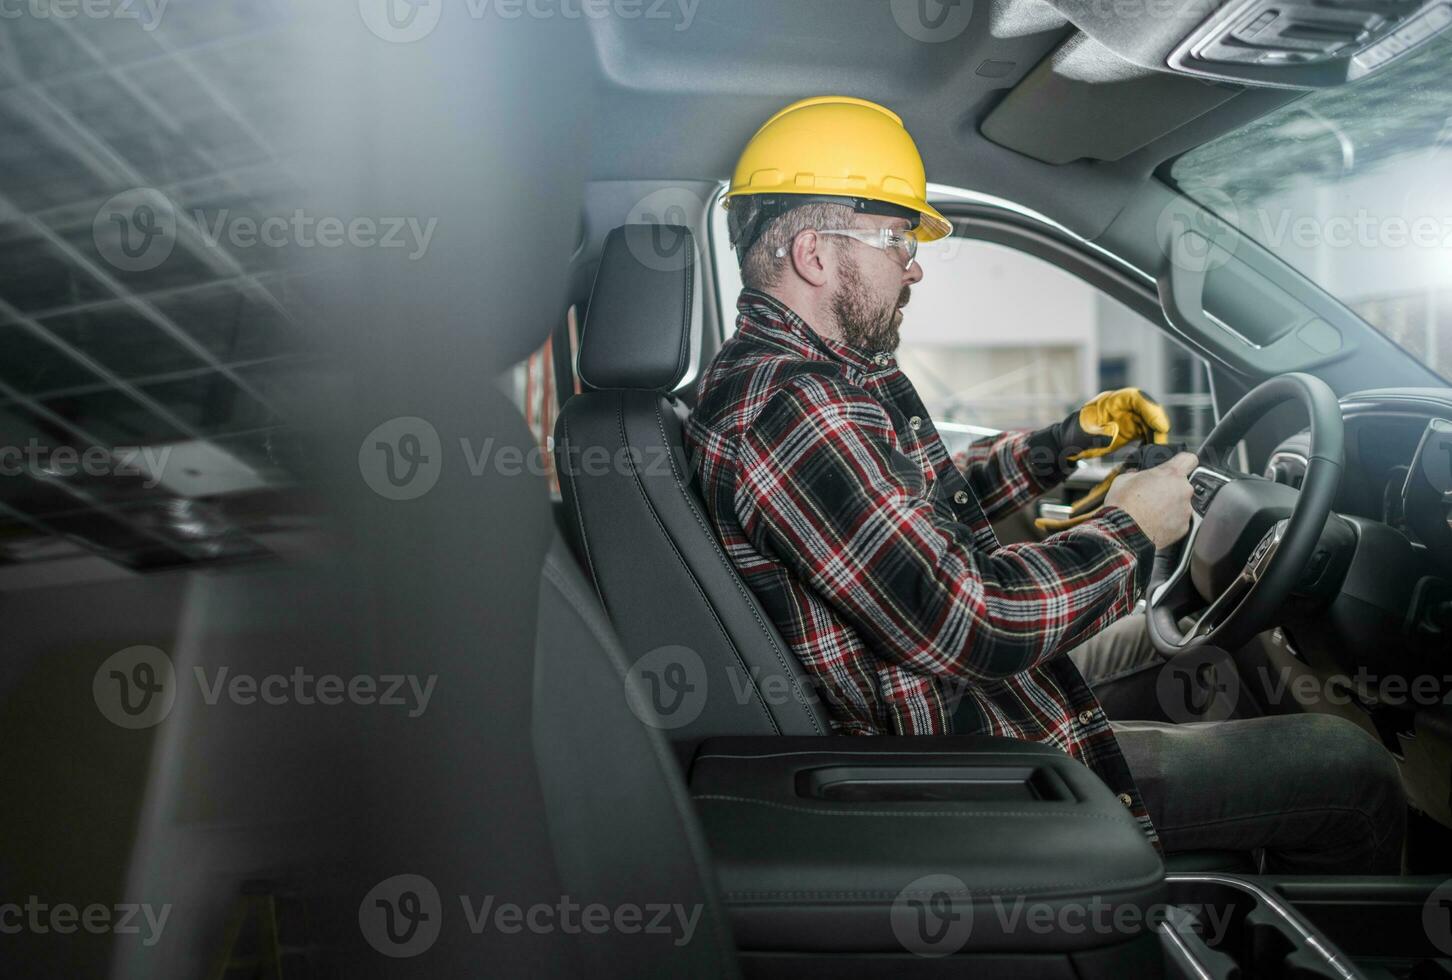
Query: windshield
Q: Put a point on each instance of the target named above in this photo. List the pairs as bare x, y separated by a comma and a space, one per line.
1353, 187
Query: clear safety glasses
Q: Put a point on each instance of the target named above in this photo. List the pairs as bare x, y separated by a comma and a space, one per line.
901, 247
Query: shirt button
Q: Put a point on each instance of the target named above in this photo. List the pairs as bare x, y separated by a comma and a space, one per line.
915, 423
1126, 799
881, 360
1085, 717
961, 497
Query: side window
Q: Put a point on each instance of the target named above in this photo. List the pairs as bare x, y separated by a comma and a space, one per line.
995, 338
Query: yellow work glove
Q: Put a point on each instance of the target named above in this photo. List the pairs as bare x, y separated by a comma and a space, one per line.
1110, 421
1084, 508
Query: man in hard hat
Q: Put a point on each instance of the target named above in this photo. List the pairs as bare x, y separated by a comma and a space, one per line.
871, 549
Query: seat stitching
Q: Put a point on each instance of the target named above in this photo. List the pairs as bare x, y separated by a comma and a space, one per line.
727, 798
579, 516
732, 575
683, 348
680, 559
1034, 889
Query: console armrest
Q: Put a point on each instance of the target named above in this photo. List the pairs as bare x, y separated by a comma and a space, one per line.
837, 844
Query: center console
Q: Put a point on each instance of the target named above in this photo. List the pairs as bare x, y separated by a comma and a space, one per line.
927, 855
989, 857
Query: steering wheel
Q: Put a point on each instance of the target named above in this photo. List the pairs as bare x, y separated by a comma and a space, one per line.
1250, 538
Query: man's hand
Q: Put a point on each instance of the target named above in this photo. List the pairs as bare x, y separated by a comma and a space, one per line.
1158, 499
1111, 420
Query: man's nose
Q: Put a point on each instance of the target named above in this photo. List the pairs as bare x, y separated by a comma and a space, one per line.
913, 274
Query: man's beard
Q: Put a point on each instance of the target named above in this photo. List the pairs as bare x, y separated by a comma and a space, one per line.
865, 322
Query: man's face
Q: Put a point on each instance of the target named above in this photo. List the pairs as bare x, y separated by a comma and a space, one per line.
872, 287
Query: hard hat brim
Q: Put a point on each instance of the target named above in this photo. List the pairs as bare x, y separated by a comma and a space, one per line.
931, 225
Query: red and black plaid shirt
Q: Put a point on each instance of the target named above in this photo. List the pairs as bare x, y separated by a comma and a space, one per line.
871, 548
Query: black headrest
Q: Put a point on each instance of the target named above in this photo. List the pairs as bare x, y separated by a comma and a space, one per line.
637, 330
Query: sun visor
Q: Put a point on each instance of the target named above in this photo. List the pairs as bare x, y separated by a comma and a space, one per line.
1086, 102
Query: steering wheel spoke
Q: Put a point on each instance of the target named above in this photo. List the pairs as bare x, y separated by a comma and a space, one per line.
1228, 588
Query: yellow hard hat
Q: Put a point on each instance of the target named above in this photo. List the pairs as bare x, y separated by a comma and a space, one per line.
833, 147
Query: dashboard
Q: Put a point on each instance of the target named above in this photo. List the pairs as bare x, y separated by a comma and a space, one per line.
1392, 609
1384, 428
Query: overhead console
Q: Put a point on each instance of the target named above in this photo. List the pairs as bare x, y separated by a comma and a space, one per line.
1308, 43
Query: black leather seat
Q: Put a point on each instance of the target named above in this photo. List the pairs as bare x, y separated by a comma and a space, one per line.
689, 624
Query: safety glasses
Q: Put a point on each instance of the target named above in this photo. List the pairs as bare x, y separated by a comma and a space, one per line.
901, 247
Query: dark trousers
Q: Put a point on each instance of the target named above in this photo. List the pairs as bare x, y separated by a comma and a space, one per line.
1316, 792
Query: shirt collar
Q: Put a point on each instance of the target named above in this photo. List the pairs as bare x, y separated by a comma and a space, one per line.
766, 318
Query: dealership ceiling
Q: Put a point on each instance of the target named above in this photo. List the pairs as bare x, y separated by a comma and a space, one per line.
146, 351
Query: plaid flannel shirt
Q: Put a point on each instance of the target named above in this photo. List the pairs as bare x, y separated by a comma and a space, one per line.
871, 548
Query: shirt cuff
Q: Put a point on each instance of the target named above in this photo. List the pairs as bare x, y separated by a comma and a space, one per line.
1116, 522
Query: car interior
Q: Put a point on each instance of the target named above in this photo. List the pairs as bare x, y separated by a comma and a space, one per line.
1248, 203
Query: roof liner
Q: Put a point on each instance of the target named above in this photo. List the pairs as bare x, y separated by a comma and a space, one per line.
681, 88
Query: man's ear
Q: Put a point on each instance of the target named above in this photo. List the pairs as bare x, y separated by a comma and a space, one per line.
809, 259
